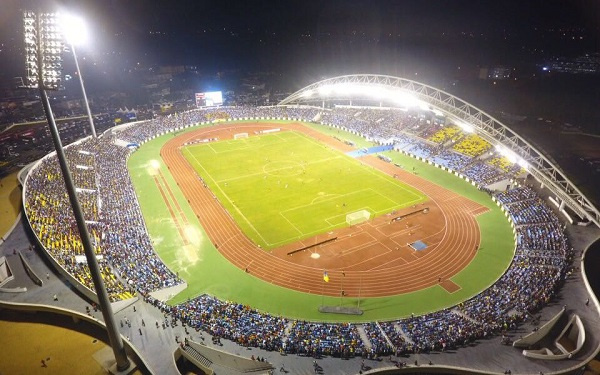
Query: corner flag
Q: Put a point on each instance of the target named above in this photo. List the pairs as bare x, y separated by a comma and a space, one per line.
325, 277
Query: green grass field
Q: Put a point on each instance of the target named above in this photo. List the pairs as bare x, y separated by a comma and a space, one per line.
285, 186
207, 271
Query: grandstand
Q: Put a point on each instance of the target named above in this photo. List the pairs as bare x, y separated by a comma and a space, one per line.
130, 266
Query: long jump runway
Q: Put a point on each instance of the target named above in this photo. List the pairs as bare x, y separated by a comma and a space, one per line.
377, 261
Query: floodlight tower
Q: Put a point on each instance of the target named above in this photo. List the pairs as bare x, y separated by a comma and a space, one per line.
44, 46
75, 33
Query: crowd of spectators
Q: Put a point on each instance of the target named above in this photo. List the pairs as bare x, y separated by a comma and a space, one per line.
517, 194
426, 138
483, 173
445, 134
321, 339
472, 145
238, 323
130, 264
451, 159
504, 164
378, 343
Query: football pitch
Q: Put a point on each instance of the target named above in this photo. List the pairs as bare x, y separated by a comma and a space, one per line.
283, 187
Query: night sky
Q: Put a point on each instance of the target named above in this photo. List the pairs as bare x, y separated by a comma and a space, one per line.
444, 43
271, 35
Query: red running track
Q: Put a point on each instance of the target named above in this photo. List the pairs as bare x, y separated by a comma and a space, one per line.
458, 235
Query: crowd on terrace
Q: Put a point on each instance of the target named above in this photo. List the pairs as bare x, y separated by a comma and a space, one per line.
130, 265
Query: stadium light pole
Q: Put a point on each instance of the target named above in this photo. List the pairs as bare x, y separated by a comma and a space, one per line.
44, 47
75, 33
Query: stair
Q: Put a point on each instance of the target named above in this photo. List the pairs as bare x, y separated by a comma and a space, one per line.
364, 337
403, 334
207, 363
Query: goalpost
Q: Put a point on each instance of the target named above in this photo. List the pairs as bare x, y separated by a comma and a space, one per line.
240, 135
358, 217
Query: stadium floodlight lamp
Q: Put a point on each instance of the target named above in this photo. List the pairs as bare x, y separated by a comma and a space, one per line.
73, 29
344, 89
43, 50
325, 90
307, 94
374, 91
466, 127
508, 154
405, 99
523, 164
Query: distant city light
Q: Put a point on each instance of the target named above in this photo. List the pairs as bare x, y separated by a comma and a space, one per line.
545, 68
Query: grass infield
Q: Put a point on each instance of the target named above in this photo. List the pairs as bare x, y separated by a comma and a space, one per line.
207, 271
283, 187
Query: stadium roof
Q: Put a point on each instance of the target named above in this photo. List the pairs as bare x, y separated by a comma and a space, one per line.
404, 93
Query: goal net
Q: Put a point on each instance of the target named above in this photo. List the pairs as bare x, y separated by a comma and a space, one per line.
358, 217
240, 135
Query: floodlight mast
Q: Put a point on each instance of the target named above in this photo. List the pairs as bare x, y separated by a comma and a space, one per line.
122, 362
85, 99
75, 27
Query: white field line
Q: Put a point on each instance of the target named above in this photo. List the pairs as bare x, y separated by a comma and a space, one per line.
277, 169
226, 197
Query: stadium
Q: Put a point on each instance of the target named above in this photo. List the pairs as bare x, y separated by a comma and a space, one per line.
371, 222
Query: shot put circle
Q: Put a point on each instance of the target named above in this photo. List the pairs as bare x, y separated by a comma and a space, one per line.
283, 168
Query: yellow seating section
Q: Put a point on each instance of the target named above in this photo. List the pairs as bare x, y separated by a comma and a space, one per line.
64, 244
445, 134
502, 163
212, 116
472, 145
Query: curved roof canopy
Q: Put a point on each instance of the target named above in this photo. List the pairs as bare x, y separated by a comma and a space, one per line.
400, 92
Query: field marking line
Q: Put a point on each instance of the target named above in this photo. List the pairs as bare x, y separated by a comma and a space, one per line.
400, 232
171, 212
235, 142
320, 144
394, 203
324, 201
363, 261
292, 224
326, 196
173, 198
302, 165
393, 181
366, 208
378, 175
359, 247
230, 201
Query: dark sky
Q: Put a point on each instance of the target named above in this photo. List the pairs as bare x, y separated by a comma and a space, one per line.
261, 31
292, 16
187, 15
